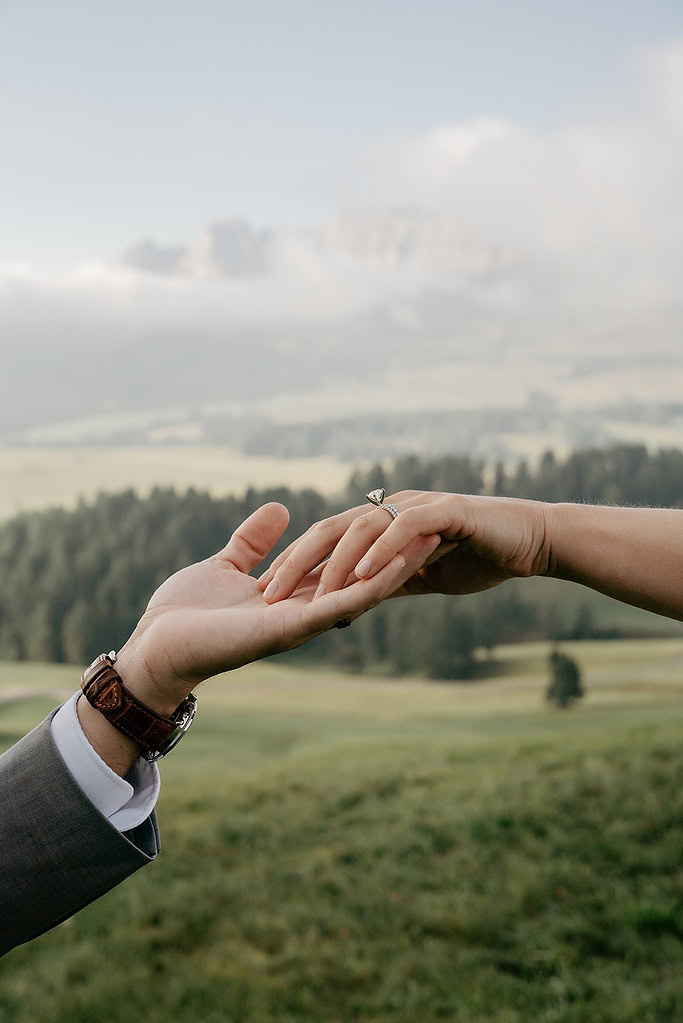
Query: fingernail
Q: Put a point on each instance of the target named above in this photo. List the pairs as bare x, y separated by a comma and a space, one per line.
262, 578
271, 589
363, 568
319, 592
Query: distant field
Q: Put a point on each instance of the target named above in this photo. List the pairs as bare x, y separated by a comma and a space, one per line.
339, 850
475, 385
643, 672
40, 477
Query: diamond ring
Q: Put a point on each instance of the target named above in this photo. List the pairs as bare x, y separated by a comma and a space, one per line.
376, 497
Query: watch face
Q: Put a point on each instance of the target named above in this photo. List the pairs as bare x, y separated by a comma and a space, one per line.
174, 737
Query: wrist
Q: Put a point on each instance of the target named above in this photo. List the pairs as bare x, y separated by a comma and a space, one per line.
523, 533
147, 715
557, 518
163, 696
116, 749
546, 525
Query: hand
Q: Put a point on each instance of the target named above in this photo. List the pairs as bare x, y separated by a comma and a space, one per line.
212, 617
483, 542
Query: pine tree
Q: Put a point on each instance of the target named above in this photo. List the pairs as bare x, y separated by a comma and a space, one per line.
565, 680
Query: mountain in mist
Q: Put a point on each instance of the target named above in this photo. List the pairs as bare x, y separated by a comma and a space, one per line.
378, 238
243, 314
225, 248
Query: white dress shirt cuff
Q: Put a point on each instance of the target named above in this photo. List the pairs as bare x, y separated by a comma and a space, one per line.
125, 802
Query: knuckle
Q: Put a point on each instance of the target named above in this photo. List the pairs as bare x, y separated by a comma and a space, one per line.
411, 516
456, 507
247, 544
384, 545
363, 524
326, 526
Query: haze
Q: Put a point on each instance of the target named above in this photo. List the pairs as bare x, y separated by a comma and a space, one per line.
338, 208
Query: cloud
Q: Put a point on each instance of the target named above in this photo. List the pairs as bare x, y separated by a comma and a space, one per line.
599, 199
486, 212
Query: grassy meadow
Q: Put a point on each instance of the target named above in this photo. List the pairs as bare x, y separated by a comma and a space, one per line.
338, 849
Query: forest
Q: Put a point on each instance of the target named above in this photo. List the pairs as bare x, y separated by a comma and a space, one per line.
75, 582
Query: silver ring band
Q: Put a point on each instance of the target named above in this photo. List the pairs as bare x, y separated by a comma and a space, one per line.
391, 508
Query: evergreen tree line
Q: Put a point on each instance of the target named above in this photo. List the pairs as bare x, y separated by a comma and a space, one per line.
74, 583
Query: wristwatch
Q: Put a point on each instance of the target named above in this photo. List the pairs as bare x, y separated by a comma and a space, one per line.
104, 690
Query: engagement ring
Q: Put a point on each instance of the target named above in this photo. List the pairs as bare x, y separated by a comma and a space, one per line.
376, 497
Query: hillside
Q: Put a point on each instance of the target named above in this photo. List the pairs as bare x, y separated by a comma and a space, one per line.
392, 852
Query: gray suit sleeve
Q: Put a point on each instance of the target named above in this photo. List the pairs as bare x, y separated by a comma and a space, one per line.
57, 852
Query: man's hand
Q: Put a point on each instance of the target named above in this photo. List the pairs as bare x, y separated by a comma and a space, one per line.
211, 616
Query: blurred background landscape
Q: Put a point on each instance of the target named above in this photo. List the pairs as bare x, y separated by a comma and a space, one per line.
252, 253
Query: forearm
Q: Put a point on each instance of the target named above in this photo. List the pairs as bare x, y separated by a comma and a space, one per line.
632, 554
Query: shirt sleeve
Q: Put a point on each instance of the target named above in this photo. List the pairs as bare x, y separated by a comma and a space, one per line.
125, 802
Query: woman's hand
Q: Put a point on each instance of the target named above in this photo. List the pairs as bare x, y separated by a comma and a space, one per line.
482, 542
211, 616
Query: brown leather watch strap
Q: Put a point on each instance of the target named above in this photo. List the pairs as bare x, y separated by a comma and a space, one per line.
104, 690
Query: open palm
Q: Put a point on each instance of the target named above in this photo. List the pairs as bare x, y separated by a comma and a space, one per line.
211, 616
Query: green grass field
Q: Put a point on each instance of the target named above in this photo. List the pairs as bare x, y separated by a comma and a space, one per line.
339, 849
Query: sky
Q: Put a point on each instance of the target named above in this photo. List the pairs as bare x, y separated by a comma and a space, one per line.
151, 118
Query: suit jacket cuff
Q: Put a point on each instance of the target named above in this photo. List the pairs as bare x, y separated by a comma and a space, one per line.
125, 802
59, 853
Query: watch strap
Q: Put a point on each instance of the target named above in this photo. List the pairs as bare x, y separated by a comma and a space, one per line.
104, 690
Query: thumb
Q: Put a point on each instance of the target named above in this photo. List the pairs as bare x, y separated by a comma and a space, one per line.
255, 537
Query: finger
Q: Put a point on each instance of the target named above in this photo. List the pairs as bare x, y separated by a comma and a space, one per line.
220, 640
318, 542
336, 524
326, 611
265, 579
266, 576
313, 546
422, 520
441, 548
356, 541
342, 520
306, 554
257, 535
